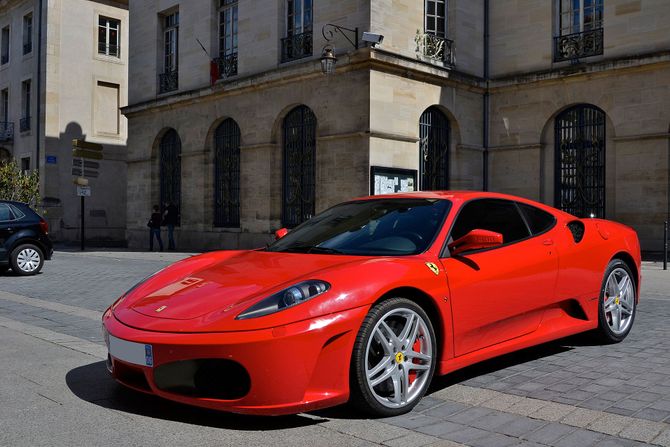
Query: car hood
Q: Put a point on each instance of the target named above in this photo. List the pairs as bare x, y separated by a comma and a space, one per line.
222, 281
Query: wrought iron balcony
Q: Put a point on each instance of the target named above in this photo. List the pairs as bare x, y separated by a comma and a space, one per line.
27, 47
6, 132
578, 45
24, 124
296, 47
227, 65
435, 49
168, 81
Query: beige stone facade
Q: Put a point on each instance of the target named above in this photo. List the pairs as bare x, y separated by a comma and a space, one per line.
76, 92
368, 112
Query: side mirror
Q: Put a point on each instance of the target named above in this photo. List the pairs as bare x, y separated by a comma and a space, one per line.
280, 233
476, 240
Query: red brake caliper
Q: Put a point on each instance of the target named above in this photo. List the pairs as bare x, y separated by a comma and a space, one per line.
416, 347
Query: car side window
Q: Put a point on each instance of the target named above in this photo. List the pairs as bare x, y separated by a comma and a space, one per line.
501, 216
539, 221
18, 214
5, 213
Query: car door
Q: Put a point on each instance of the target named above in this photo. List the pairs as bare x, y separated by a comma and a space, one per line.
499, 293
6, 229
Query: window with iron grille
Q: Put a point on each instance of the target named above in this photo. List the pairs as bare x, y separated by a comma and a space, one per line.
298, 41
434, 150
580, 161
227, 38
299, 166
227, 175
109, 36
580, 30
170, 169
169, 80
28, 33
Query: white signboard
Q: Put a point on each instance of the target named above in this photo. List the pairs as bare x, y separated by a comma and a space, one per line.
83, 191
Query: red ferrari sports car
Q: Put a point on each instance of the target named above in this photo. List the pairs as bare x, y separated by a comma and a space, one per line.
368, 300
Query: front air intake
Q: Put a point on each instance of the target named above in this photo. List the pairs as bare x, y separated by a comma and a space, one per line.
204, 378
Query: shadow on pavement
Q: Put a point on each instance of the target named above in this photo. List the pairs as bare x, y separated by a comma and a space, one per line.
92, 383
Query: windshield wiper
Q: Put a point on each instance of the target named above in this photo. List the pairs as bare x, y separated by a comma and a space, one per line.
313, 249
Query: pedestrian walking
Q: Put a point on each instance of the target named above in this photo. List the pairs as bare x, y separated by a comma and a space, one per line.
154, 225
170, 219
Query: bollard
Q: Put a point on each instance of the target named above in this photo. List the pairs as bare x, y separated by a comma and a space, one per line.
665, 245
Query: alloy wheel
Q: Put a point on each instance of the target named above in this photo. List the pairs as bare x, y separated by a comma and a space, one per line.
398, 358
619, 301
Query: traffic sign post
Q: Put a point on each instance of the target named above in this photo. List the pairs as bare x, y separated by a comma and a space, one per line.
81, 152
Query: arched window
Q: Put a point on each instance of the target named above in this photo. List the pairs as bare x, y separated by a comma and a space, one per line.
299, 166
227, 174
170, 169
434, 150
580, 161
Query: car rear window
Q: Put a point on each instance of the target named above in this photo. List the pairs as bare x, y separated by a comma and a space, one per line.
539, 221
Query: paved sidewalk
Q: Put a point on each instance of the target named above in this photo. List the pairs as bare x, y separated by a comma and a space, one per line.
55, 390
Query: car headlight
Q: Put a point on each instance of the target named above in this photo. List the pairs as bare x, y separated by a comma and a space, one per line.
292, 296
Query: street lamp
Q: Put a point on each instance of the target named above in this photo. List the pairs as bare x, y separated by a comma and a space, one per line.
328, 60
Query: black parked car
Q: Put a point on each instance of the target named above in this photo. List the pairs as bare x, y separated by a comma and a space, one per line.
24, 239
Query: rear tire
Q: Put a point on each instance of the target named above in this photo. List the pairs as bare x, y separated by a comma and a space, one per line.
617, 303
394, 358
26, 260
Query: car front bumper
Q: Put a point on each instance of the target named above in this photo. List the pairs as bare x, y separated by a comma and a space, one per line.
291, 369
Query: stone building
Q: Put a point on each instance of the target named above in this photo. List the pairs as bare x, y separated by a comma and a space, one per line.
63, 76
232, 118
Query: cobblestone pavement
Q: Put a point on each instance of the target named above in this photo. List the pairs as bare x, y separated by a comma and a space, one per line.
55, 390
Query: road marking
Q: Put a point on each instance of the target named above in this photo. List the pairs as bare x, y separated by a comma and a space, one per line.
599, 421
66, 341
49, 305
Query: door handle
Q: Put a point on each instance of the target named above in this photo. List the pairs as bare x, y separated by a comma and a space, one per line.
548, 242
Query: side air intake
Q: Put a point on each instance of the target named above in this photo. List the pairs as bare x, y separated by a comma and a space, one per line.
577, 229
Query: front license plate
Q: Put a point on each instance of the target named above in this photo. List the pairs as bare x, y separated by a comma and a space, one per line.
127, 351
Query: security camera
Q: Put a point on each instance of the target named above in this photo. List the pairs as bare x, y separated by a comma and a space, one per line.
374, 38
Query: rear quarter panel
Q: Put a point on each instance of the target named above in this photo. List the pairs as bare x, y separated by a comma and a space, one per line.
582, 265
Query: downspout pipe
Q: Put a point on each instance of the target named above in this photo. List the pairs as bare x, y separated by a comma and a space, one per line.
486, 102
38, 108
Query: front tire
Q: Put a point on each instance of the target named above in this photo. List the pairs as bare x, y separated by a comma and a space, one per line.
617, 306
26, 259
393, 359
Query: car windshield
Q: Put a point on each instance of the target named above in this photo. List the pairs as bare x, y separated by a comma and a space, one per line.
383, 227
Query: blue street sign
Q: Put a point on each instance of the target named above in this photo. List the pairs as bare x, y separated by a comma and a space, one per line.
52, 159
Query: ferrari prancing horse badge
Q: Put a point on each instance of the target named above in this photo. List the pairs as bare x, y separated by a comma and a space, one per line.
433, 268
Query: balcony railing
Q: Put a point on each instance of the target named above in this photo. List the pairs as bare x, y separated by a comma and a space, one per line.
24, 124
6, 132
168, 81
435, 49
27, 47
571, 47
296, 46
227, 65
